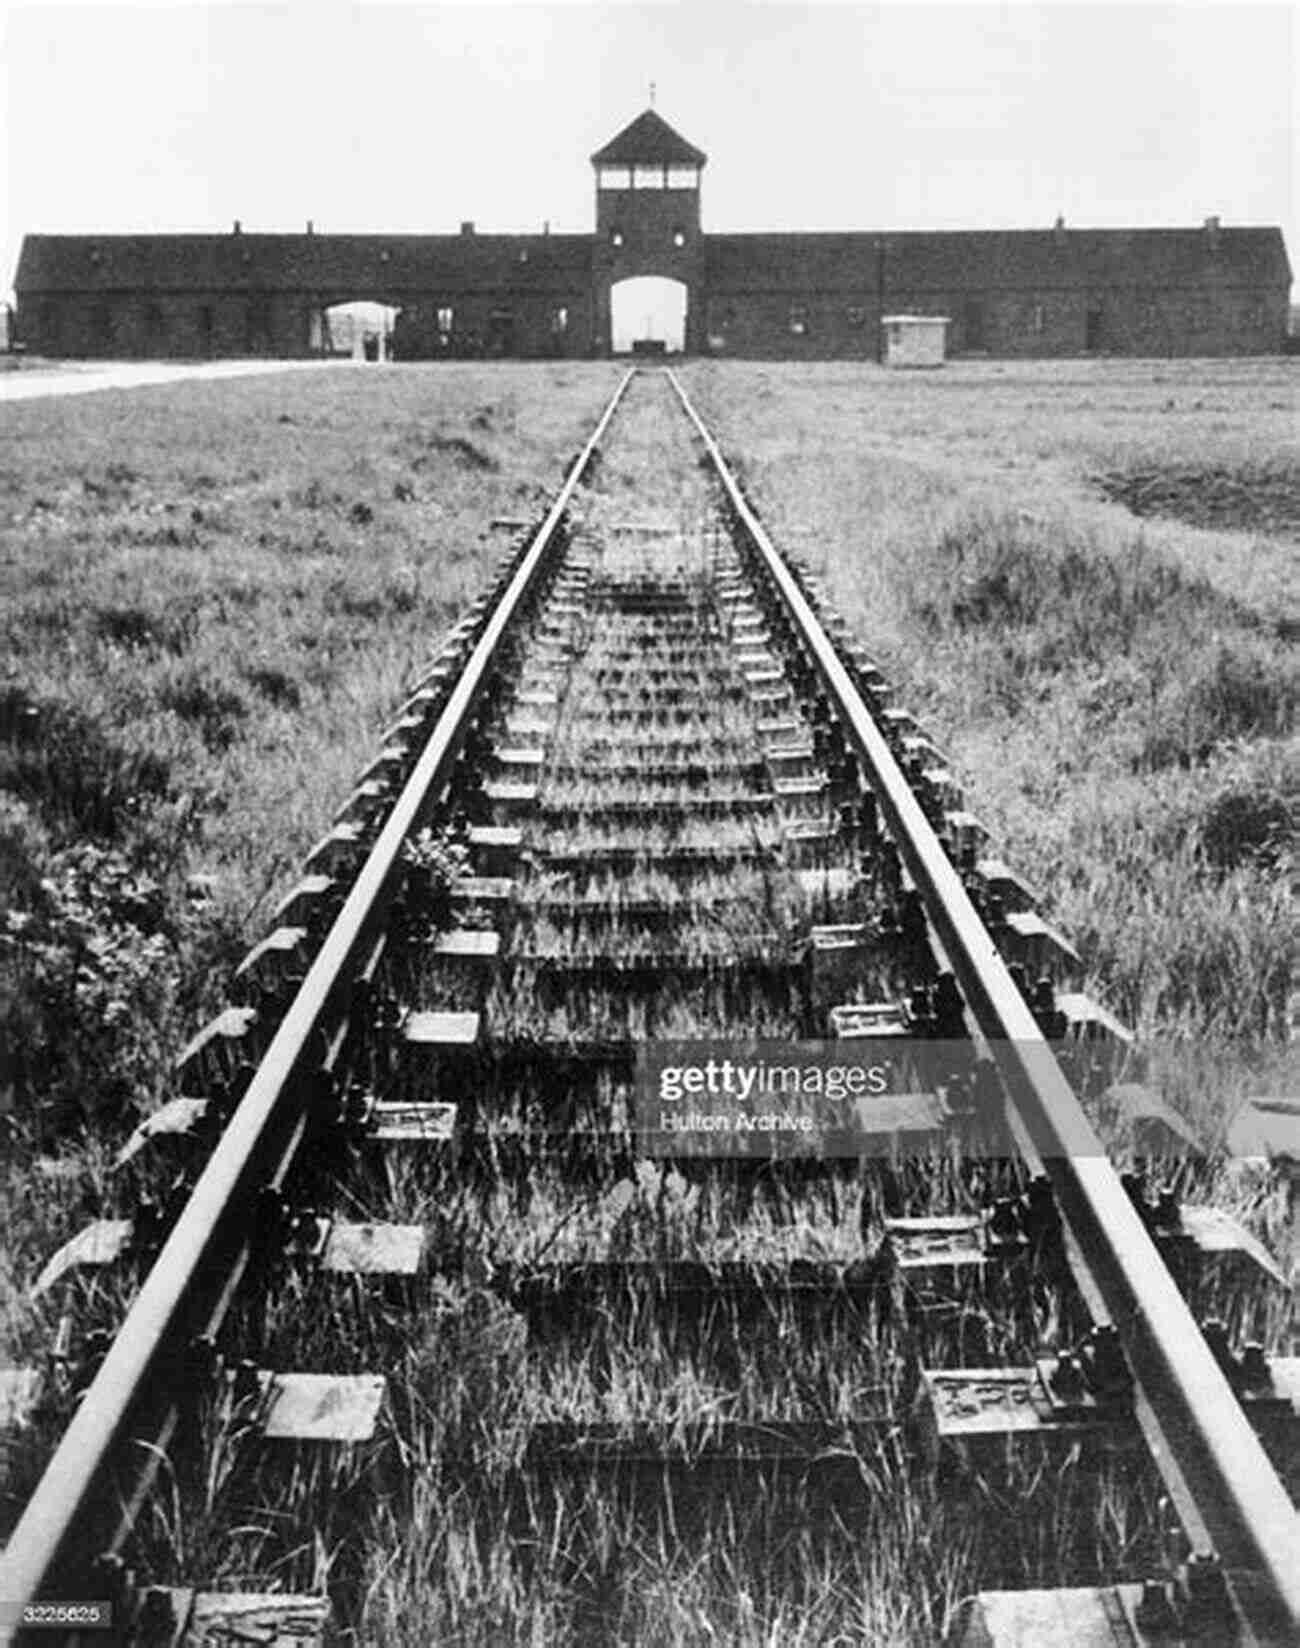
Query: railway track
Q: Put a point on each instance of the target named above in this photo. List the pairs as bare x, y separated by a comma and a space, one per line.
650, 793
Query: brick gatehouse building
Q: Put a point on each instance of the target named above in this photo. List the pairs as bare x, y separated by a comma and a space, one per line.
1024, 292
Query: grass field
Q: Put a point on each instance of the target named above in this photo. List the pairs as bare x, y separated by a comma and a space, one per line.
215, 595
1117, 691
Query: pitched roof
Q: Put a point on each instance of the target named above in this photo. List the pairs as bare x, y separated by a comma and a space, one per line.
650, 141
335, 266
970, 260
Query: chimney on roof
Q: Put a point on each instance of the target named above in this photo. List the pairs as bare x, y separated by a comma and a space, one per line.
1058, 231
238, 228
311, 227
1212, 227
546, 227
467, 226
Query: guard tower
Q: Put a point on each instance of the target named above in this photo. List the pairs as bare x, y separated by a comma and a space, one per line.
648, 217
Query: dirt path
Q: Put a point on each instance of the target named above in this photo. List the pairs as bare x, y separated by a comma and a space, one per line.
82, 377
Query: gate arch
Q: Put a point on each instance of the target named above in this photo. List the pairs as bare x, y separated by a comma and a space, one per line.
648, 309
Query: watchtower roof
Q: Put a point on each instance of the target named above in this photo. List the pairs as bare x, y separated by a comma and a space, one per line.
649, 141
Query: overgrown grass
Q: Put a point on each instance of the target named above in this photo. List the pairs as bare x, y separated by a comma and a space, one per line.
1119, 696
213, 596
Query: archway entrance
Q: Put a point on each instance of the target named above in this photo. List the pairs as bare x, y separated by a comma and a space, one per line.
358, 331
648, 315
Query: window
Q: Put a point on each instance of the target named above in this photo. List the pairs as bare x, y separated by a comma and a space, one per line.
614, 177
857, 317
1092, 327
683, 177
647, 177
559, 320
679, 237
1039, 316
799, 319
616, 237
445, 319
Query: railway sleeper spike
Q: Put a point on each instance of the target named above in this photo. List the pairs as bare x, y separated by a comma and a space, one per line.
369, 1120
1086, 1393
289, 1232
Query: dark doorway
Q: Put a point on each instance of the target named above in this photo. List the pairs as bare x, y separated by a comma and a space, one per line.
501, 333
206, 328
974, 338
1092, 328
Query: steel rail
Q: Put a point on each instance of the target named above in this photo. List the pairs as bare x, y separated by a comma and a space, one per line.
67, 1484
1200, 1439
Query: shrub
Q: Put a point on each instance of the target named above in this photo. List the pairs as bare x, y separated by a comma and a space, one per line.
88, 969
79, 781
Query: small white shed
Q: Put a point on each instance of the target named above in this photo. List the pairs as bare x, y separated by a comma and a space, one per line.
915, 340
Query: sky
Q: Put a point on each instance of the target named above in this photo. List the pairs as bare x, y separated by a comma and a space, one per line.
409, 117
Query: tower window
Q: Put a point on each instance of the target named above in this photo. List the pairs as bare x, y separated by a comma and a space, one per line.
647, 177
799, 319
614, 177
857, 317
616, 238
559, 320
1039, 316
679, 237
683, 177
445, 318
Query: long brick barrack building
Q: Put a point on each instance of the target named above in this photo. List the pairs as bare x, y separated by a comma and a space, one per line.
1059, 291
